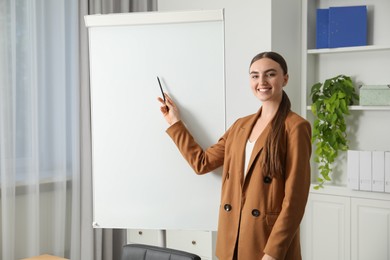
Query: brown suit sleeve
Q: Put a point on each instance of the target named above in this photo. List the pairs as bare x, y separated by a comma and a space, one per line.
202, 161
297, 184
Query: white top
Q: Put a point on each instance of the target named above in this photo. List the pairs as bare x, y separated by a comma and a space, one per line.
248, 153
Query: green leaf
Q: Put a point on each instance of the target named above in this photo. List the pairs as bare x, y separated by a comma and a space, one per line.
334, 118
314, 109
341, 95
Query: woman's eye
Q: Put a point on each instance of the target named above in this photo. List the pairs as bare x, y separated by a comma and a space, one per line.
272, 74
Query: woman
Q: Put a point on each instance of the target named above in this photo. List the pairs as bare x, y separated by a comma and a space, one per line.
266, 169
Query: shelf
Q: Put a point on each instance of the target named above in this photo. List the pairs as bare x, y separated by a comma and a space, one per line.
363, 108
347, 192
348, 49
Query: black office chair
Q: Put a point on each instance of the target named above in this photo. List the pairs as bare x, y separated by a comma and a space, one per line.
146, 252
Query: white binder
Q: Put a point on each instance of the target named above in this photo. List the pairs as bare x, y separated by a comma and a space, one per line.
387, 172
365, 164
353, 169
378, 171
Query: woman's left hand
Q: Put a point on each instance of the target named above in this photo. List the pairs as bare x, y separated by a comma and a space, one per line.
268, 257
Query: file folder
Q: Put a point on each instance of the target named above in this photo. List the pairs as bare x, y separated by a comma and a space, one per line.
353, 169
387, 172
322, 29
378, 171
347, 26
365, 162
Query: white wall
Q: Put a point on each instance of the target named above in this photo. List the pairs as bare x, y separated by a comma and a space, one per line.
251, 27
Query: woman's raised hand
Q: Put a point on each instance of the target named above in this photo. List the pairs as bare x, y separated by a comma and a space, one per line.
169, 109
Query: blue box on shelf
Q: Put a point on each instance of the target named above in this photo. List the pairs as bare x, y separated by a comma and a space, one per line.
322, 28
347, 26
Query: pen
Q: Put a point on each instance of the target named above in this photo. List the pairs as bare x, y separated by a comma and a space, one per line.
162, 92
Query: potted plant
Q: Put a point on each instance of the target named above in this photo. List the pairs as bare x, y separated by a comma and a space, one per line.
330, 106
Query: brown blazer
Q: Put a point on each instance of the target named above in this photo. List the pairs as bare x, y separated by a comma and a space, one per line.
257, 214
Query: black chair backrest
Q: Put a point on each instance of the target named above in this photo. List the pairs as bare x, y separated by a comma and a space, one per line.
146, 252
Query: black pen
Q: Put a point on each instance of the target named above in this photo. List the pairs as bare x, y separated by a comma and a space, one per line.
162, 92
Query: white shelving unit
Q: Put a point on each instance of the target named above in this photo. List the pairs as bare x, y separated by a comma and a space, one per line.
366, 65
340, 223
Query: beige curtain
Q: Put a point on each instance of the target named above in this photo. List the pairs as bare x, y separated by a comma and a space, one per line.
39, 129
97, 244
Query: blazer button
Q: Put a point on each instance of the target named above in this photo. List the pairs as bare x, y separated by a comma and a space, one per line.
255, 213
227, 207
267, 179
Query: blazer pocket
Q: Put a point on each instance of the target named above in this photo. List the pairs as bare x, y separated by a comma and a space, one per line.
271, 218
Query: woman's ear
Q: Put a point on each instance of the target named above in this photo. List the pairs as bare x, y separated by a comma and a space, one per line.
286, 76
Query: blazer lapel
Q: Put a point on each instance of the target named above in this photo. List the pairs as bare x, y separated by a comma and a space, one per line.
242, 138
260, 142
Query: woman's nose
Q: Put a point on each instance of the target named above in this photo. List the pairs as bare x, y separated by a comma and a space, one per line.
262, 80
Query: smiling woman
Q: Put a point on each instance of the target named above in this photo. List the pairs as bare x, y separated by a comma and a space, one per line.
265, 185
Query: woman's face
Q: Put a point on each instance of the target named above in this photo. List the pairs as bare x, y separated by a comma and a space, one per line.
267, 80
